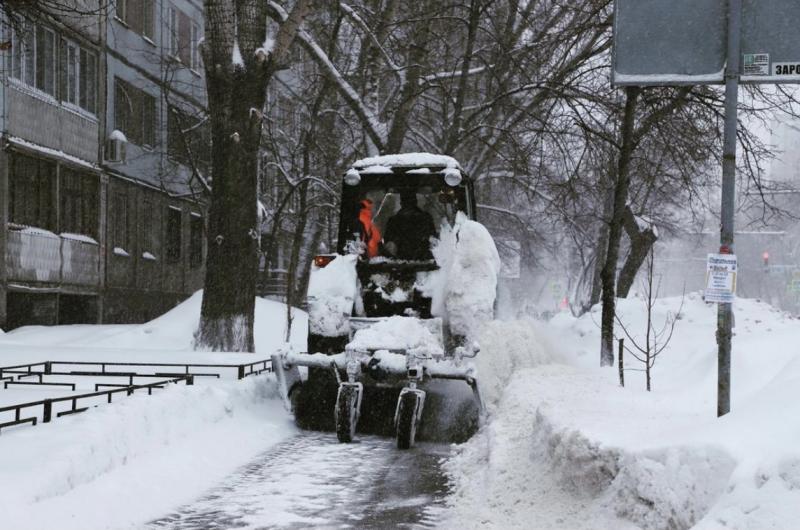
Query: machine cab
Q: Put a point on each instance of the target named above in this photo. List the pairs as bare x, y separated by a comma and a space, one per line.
392, 208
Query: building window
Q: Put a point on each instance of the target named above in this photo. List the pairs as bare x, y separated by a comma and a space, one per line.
32, 191
33, 59
119, 220
188, 139
173, 235
79, 198
195, 48
78, 76
138, 15
150, 221
134, 113
183, 38
196, 241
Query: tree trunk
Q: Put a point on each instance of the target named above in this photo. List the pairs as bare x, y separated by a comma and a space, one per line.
602, 239
608, 274
236, 82
417, 54
642, 240
292, 294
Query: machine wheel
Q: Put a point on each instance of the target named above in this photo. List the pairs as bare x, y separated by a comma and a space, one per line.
346, 413
407, 407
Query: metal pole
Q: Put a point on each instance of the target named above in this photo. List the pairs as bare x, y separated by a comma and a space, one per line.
725, 311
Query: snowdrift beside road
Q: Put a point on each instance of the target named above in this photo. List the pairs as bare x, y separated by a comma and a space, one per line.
171, 332
121, 465
567, 447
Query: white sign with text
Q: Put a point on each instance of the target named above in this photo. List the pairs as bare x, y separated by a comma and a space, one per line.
721, 278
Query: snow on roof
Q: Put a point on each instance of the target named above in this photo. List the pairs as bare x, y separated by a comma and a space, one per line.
408, 160
20, 142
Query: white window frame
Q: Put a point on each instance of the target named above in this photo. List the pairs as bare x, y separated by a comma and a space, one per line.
119, 12
75, 66
28, 58
195, 47
172, 32
21, 48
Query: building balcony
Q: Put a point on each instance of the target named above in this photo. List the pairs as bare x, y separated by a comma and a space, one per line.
37, 258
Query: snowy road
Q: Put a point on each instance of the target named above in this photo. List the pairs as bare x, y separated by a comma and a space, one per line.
312, 480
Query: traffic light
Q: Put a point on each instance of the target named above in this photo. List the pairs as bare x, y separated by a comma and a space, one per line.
765, 257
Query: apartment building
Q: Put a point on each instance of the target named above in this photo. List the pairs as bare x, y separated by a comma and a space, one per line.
102, 165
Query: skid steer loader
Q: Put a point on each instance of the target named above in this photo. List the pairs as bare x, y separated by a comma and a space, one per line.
382, 357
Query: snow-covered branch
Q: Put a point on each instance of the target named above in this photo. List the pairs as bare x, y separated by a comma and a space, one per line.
374, 127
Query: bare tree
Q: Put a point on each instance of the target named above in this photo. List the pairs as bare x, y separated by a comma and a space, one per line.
239, 64
656, 339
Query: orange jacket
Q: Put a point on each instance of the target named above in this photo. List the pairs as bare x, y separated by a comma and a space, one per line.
371, 236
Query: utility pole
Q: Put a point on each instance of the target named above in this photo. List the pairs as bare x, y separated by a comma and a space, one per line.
725, 310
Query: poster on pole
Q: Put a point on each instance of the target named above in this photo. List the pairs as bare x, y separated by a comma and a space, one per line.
721, 278
683, 42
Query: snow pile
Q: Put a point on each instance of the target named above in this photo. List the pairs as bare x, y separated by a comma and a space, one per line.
567, 447
173, 331
465, 289
507, 348
138, 457
400, 333
331, 293
123, 464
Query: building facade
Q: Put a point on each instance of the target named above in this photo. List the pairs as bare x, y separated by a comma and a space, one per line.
102, 169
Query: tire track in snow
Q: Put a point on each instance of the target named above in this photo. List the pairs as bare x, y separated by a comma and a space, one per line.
311, 480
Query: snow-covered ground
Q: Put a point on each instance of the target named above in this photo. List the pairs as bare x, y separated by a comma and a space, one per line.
566, 447
169, 335
124, 464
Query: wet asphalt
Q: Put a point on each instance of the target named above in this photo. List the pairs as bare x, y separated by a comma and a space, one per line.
312, 481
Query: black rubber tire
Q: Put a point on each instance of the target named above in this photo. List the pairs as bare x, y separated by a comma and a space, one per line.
346, 414
314, 402
406, 420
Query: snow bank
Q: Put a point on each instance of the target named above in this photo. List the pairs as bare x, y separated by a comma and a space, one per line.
121, 465
172, 331
506, 348
400, 333
464, 290
331, 294
567, 447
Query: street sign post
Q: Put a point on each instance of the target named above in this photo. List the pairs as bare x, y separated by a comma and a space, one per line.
692, 42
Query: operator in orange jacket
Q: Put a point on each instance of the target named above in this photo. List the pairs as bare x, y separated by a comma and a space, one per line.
369, 233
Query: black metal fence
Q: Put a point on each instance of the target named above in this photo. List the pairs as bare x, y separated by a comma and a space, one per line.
172, 373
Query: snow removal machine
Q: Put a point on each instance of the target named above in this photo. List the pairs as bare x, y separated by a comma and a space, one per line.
392, 311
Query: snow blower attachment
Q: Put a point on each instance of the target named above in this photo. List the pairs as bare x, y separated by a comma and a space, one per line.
390, 313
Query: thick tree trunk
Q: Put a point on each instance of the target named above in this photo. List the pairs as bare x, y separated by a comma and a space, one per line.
608, 274
642, 240
236, 81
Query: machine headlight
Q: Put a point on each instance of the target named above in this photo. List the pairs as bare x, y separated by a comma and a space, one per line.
352, 177
452, 176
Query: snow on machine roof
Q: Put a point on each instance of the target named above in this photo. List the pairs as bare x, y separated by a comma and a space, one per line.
385, 163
